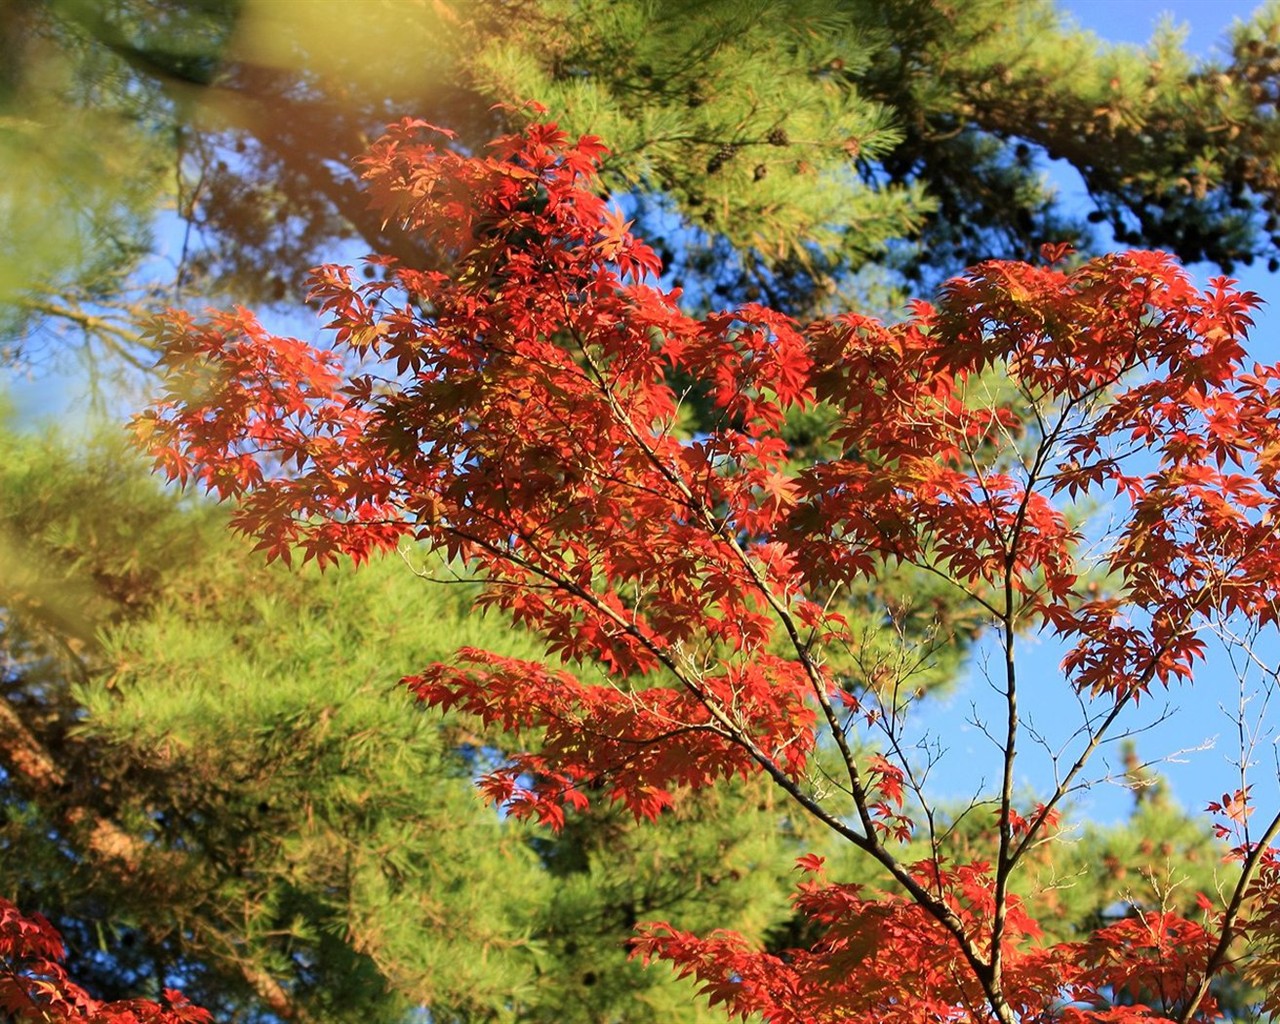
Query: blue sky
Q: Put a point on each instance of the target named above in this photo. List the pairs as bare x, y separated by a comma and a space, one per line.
1132, 21
1197, 777
1197, 742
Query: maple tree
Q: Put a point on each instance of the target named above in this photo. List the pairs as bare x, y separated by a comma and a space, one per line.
515, 411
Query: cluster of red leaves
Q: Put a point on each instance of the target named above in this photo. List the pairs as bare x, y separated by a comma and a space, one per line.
882, 958
34, 985
527, 427
637, 746
515, 411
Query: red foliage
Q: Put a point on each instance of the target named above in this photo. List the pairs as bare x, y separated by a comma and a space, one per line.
516, 411
34, 985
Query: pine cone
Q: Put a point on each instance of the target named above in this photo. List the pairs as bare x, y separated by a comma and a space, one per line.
721, 157
778, 137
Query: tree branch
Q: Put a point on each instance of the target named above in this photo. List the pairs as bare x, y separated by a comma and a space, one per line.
1218, 958
116, 851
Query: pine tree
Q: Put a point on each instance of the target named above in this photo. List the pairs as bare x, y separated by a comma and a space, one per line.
211, 776
774, 150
